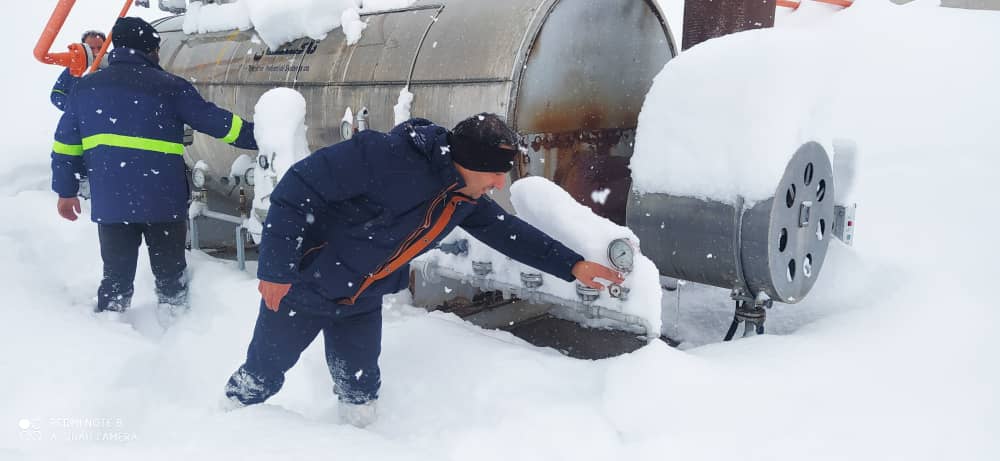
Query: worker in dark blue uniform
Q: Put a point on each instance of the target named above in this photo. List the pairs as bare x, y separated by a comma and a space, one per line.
66, 81
123, 127
343, 225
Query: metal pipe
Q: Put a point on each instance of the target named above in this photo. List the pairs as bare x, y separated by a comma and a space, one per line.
221, 217
203, 211
433, 271
107, 43
195, 245
241, 257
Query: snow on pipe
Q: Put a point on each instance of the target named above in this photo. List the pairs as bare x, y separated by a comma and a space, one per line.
531, 291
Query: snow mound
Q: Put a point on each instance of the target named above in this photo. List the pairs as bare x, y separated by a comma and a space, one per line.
723, 118
279, 22
550, 208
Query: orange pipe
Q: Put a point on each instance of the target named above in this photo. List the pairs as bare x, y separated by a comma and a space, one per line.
840, 3
76, 58
793, 4
104, 48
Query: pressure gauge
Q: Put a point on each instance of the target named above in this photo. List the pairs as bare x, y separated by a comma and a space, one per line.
621, 253
198, 177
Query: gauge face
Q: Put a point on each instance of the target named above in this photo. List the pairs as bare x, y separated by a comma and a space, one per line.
248, 176
621, 253
198, 177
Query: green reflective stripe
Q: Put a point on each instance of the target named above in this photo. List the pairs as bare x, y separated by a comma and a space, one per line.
234, 131
58, 91
67, 149
132, 142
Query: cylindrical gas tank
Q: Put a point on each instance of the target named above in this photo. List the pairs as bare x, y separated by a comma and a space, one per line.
568, 75
776, 246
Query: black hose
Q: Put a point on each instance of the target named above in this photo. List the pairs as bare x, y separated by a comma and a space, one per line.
734, 325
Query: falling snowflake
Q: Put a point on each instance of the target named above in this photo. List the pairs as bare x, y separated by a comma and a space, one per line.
600, 196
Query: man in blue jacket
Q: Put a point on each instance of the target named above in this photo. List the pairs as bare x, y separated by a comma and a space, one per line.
342, 227
123, 127
66, 81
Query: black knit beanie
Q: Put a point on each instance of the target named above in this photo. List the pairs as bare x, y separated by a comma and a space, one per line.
135, 33
475, 144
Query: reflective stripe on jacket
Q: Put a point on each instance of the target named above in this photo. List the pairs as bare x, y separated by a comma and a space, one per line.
123, 128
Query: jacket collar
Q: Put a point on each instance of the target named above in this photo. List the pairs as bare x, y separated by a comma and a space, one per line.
131, 56
431, 140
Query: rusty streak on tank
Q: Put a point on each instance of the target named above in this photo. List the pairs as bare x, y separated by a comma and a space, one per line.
583, 161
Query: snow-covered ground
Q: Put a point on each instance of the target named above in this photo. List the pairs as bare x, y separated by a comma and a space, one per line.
892, 356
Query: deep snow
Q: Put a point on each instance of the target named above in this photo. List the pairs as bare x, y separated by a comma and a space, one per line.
892, 356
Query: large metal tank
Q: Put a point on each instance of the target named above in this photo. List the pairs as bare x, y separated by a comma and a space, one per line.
569, 75
775, 247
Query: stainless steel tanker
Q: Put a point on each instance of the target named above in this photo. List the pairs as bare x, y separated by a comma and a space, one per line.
569, 75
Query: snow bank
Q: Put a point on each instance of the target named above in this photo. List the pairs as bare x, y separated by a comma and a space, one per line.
548, 207
551, 209
279, 127
716, 136
401, 111
216, 17
353, 25
892, 356
283, 21
280, 131
279, 22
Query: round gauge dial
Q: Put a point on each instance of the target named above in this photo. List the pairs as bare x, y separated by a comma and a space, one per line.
621, 253
198, 178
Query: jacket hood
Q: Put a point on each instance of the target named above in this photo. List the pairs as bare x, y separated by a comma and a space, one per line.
431, 141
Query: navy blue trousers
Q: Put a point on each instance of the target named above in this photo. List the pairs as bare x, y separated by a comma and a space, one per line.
120, 253
353, 340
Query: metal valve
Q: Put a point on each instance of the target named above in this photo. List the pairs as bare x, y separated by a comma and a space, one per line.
458, 247
587, 294
482, 268
617, 291
531, 280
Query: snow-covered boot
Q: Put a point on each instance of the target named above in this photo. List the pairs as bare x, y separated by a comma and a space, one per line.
114, 303
228, 404
170, 308
358, 415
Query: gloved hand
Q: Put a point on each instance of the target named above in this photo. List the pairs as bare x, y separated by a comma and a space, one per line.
69, 208
272, 293
586, 272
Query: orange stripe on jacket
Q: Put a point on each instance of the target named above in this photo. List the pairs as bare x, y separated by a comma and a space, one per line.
407, 254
